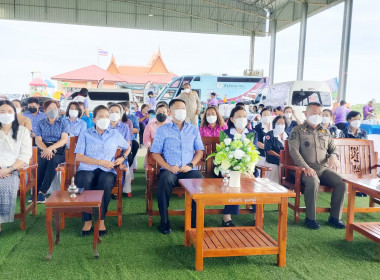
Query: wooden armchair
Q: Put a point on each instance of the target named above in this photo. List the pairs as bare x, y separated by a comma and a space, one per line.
357, 160
27, 184
68, 170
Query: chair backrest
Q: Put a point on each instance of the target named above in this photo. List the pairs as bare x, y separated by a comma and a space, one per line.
209, 144
34, 158
70, 160
357, 157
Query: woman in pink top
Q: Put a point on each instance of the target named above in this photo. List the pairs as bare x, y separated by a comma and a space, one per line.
150, 129
212, 122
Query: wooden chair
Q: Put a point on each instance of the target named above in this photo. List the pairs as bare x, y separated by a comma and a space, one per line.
68, 170
357, 160
205, 166
27, 184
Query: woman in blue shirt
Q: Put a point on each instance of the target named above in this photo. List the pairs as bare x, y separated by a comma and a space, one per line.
74, 123
238, 124
83, 116
51, 138
95, 151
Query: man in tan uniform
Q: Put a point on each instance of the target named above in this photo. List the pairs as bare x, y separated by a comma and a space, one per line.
193, 104
312, 147
22, 120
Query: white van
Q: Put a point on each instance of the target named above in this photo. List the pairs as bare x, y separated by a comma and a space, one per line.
296, 94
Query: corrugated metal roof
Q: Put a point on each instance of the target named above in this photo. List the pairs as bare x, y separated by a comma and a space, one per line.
233, 17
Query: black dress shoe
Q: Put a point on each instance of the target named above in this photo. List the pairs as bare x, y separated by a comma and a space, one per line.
229, 223
165, 228
85, 232
312, 224
102, 232
359, 194
336, 223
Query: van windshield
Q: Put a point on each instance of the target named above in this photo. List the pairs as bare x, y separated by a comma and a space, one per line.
303, 98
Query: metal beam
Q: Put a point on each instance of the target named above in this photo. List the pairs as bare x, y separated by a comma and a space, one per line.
252, 51
302, 42
345, 49
273, 26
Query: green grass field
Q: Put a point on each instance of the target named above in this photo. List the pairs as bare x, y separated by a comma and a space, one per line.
136, 251
359, 108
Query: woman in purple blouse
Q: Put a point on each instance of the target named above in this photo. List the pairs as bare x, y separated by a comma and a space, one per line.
143, 117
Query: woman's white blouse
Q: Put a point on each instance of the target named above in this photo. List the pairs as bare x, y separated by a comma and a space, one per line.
12, 150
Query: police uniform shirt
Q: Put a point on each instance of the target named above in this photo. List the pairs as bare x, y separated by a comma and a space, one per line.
347, 133
311, 148
272, 143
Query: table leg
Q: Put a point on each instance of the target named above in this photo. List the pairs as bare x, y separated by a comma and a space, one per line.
48, 218
259, 215
199, 235
350, 212
96, 239
57, 227
282, 227
187, 218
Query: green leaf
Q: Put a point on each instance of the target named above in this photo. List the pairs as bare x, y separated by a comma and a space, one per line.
222, 136
210, 156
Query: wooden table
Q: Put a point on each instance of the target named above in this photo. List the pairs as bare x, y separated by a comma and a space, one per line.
235, 241
60, 201
369, 230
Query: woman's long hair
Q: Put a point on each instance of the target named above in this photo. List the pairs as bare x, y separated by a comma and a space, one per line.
204, 122
15, 123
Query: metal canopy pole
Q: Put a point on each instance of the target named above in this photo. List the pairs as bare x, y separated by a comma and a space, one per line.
302, 42
252, 51
345, 49
272, 50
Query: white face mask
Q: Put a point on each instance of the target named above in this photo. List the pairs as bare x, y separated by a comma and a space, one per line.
240, 123
279, 128
266, 119
127, 113
288, 115
356, 123
7, 118
103, 123
187, 90
211, 119
73, 113
180, 115
326, 120
18, 110
114, 117
314, 119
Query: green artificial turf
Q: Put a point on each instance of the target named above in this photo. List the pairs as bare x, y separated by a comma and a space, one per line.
136, 251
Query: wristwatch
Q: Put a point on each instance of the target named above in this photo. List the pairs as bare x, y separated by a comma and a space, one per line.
11, 168
125, 156
191, 165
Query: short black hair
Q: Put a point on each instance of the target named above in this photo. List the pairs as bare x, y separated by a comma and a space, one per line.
276, 119
17, 100
97, 109
353, 114
184, 86
83, 92
278, 108
116, 105
239, 104
33, 100
261, 105
342, 102
263, 110
150, 93
77, 106
213, 93
328, 110
173, 101
313, 104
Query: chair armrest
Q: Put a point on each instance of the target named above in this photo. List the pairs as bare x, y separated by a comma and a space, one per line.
61, 167
264, 168
30, 167
375, 166
293, 167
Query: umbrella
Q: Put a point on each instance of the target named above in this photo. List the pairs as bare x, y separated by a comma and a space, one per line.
38, 82
49, 84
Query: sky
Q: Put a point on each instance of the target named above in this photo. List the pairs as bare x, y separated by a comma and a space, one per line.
52, 49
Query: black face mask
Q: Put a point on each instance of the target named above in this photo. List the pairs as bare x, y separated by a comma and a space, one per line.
32, 110
161, 117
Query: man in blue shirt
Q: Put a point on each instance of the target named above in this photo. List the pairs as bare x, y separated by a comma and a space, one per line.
34, 114
178, 148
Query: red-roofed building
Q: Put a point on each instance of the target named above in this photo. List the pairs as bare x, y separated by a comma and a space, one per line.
154, 74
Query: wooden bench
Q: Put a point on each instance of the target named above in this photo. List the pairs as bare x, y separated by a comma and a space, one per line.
68, 170
27, 184
205, 166
357, 160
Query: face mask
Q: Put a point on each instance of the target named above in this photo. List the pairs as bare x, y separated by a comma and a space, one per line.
52, 114
356, 123
372, 114
127, 113
240, 123
18, 110
266, 119
278, 129
326, 120
114, 117
32, 110
288, 115
211, 119
7, 118
187, 90
161, 117
103, 123
315, 119
180, 115
73, 113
